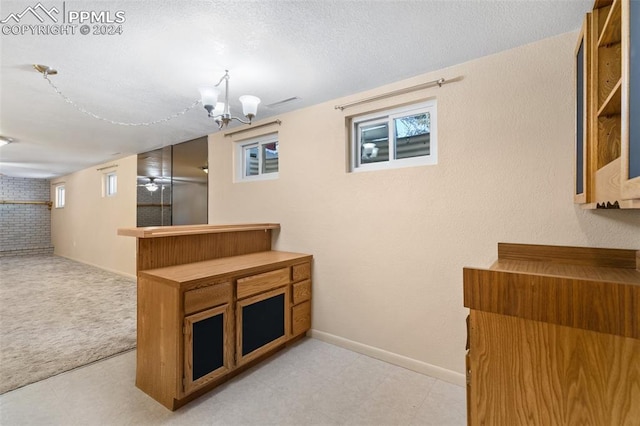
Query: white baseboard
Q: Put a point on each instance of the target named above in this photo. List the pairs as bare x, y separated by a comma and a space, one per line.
392, 358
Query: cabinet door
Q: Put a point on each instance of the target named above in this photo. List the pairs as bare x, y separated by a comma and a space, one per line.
262, 323
630, 99
208, 346
582, 116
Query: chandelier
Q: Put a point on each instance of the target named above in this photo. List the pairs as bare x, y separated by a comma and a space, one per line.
219, 111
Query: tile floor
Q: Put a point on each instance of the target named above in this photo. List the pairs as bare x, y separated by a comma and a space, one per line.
309, 383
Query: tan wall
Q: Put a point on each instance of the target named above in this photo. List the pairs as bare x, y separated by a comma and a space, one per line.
390, 246
86, 228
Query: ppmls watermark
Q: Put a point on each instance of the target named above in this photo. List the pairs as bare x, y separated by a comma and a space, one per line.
40, 20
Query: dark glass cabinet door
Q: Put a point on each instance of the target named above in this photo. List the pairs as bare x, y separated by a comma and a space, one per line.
582, 130
631, 99
262, 323
206, 336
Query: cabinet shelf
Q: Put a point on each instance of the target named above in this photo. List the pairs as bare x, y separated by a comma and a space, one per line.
612, 105
607, 160
612, 30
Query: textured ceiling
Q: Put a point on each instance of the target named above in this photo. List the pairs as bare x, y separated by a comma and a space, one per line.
313, 50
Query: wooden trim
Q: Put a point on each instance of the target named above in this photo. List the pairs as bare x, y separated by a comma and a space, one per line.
587, 256
584, 138
168, 231
601, 306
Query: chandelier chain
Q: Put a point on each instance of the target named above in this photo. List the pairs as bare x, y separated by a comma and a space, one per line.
119, 123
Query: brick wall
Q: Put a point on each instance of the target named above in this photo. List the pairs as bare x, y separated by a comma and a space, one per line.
154, 208
24, 228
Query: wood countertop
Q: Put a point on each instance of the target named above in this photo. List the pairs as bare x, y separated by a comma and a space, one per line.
191, 274
171, 231
589, 288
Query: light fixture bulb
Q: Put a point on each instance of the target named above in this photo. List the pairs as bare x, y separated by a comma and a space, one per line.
151, 186
219, 111
209, 98
249, 105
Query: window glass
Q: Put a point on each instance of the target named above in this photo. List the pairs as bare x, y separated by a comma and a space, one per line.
110, 184
60, 196
251, 161
374, 143
412, 135
270, 157
399, 137
257, 158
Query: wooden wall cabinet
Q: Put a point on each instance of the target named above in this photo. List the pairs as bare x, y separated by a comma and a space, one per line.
554, 337
607, 162
201, 322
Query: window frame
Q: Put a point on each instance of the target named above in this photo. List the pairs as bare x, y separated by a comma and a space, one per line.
241, 149
109, 190
60, 196
388, 117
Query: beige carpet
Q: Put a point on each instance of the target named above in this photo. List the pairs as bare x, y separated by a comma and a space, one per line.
57, 314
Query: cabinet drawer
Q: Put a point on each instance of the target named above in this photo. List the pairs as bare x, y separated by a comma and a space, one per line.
301, 291
300, 318
206, 297
258, 283
301, 271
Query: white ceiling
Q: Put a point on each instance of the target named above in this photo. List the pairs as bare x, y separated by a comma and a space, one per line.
314, 50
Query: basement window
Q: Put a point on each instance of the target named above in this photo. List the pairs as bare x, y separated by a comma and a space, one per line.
60, 195
110, 184
400, 137
257, 159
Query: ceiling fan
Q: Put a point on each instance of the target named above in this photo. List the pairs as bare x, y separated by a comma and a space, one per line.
152, 185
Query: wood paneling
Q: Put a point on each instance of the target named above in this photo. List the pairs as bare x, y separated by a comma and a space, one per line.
533, 373
176, 250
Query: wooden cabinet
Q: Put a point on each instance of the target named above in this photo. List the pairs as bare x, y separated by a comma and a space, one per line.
554, 337
607, 161
201, 323
213, 301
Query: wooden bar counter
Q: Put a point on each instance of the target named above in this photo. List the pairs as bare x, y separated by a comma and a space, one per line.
212, 301
554, 337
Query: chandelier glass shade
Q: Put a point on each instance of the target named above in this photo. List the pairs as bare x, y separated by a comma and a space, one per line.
220, 111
